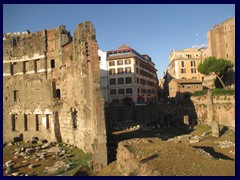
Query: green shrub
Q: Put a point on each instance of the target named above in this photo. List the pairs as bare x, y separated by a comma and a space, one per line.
199, 93
223, 92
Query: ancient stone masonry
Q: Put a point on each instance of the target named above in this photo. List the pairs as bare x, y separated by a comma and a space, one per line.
51, 89
215, 109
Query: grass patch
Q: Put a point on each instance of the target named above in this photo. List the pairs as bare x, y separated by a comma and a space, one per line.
200, 93
223, 92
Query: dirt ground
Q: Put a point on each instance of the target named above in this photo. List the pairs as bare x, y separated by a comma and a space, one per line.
177, 157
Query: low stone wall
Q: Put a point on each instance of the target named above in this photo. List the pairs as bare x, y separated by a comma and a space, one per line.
125, 117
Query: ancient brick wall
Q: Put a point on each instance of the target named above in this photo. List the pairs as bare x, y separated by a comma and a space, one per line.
218, 108
52, 89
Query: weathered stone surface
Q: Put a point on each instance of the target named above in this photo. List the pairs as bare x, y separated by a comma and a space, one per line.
215, 129
52, 82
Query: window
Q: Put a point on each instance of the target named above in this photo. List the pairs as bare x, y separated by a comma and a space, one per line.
47, 121
11, 68
138, 90
197, 87
112, 81
183, 77
183, 71
58, 93
113, 91
128, 70
138, 80
227, 55
180, 55
193, 64
120, 62
121, 91
127, 61
189, 56
25, 122
111, 71
136, 62
111, 63
14, 122
24, 67
226, 45
120, 70
35, 65
37, 122
189, 87
194, 77
52, 62
142, 81
74, 119
193, 70
137, 70
15, 95
182, 63
120, 80
128, 80
129, 91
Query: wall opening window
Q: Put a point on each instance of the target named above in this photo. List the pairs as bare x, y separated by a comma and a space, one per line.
111, 63
74, 119
193, 64
24, 67
37, 121
128, 70
227, 56
193, 70
128, 80
120, 62
35, 65
15, 95
121, 91
120, 80
111, 71
129, 91
58, 93
14, 122
127, 61
11, 68
182, 63
120, 70
113, 91
52, 62
112, 81
183, 71
47, 121
25, 122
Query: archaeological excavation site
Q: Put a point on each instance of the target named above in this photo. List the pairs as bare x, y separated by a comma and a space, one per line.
56, 121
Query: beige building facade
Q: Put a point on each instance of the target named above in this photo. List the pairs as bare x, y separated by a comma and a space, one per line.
183, 63
131, 76
179, 88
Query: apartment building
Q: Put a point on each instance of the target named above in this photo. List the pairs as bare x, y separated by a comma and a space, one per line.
131, 76
183, 63
183, 66
103, 73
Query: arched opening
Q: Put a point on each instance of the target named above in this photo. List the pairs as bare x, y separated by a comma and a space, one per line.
58, 93
52, 62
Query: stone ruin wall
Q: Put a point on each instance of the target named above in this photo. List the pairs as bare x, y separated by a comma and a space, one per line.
56, 78
219, 108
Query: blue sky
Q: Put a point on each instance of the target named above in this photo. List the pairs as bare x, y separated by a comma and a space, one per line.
153, 29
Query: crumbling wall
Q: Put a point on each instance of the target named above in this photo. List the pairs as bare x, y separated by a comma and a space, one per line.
215, 108
57, 84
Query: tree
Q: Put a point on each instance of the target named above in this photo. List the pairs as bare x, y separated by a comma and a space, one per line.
218, 67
